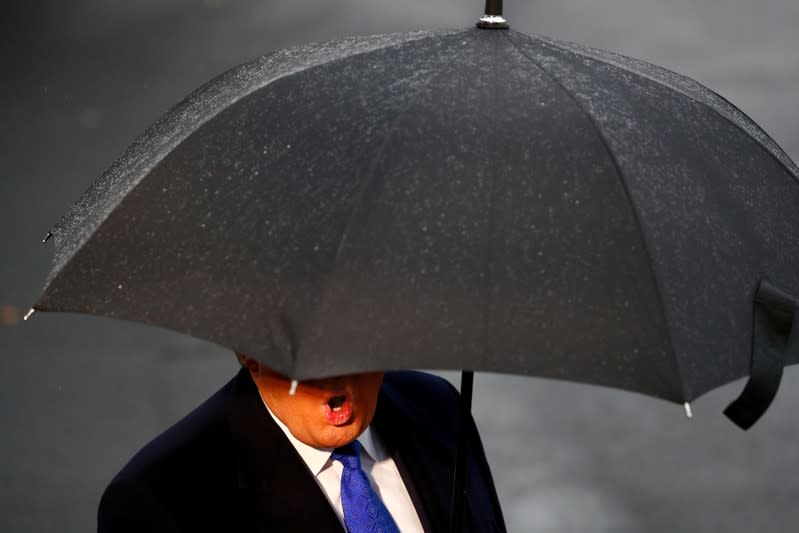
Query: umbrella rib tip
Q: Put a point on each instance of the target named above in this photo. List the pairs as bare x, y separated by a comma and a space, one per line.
29, 314
293, 388
688, 411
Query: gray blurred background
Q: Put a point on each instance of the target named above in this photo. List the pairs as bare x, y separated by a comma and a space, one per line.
79, 395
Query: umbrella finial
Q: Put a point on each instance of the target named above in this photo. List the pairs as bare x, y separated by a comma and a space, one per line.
493, 19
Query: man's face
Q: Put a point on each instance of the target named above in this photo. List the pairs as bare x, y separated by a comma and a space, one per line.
324, 413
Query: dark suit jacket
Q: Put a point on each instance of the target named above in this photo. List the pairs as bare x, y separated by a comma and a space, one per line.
227, 467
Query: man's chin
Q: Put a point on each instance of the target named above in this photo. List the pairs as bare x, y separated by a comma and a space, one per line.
337, 436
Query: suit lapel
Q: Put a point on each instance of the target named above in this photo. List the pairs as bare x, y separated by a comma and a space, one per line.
422, 458
277, 491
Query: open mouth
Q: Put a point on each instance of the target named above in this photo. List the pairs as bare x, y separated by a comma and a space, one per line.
336, 402
338, 410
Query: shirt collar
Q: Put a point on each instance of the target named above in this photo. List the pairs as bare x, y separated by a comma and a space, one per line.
372, 446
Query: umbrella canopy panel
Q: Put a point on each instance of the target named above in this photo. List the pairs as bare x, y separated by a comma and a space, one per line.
480, 200
716, 198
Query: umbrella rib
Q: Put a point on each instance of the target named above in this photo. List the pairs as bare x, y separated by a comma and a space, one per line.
490, 251
636, 217
775, 151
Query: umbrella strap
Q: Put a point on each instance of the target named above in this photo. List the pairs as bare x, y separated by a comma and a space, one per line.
459, 481
775, 342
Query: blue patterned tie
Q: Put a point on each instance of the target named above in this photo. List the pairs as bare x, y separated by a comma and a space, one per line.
363, 510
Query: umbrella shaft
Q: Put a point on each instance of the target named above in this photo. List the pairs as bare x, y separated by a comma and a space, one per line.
459, 482
493, 7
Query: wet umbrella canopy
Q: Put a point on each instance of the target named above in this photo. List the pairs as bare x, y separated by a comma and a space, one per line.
472, 199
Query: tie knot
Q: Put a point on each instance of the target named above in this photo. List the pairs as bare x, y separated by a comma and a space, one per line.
348, 455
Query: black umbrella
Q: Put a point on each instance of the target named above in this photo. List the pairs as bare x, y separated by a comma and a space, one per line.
481, 200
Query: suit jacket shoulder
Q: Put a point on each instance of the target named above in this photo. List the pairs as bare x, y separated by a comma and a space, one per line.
226, 467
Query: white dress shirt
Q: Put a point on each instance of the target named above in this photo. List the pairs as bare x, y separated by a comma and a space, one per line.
379, 468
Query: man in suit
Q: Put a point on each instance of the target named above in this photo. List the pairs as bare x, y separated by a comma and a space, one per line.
257, 457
